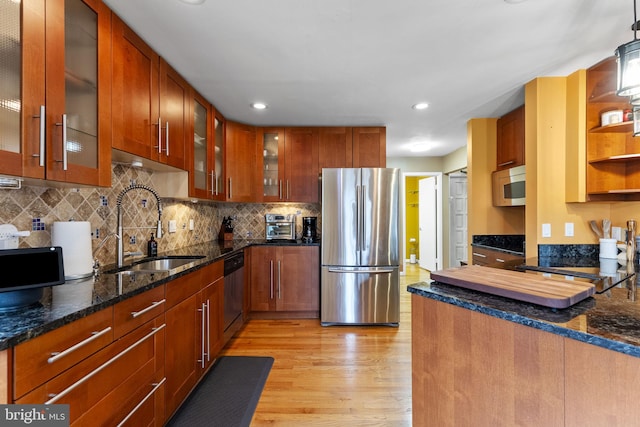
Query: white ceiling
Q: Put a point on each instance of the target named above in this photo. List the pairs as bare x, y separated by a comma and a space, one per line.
366, 62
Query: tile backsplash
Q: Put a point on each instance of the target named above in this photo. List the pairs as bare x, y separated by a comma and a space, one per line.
36, 208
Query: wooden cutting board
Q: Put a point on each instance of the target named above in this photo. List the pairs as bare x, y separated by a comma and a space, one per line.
533, 288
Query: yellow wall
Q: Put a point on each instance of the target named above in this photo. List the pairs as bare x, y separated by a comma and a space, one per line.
483, 217
411, 209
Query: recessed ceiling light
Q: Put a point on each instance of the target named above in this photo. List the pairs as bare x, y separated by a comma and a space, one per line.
514, 1
420, 106
192, 1
259, 105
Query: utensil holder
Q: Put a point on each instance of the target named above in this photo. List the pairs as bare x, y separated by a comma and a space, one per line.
608, 249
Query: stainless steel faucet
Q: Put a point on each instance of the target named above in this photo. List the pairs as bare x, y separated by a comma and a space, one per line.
119, 235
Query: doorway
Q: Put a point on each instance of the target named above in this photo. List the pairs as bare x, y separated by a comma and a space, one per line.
422, 219
458, 218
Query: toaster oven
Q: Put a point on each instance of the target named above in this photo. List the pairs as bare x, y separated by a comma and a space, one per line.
280, 227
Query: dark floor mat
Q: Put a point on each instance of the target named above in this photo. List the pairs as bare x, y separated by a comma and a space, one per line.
227, 396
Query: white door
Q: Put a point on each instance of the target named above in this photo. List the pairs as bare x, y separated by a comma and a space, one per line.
428, 223
457, 220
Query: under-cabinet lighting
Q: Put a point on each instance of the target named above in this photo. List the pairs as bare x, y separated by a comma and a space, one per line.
10, 183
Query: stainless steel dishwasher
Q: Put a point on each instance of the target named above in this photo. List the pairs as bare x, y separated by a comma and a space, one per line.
233, 292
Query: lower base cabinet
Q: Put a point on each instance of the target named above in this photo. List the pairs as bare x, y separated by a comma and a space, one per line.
285, 279
195, 317
471, 369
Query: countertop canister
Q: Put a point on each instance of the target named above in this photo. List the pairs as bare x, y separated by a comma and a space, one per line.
74, 237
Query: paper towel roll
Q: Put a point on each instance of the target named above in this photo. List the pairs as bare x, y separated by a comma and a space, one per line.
75, 239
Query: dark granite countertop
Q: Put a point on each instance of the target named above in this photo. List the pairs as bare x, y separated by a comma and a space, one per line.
506, 243
73, 300
610, 320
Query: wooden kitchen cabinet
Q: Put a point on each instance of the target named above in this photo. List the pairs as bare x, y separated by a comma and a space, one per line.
271, 142
61, 128
202, 150
493, 258
194, 301
369, 147
240, 162
336, 148
289, 159
151, 101
510, 140
285, 279
108, 366
613, 156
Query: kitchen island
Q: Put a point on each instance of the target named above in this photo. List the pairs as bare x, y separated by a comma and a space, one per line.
484, 360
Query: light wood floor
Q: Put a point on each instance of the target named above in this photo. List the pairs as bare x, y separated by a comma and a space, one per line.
333, 376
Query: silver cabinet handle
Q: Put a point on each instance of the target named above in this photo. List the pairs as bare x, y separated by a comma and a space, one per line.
208, 331
159, 146
271, 278
58, 396
213, 178
288, 191
230, 188
166, 139
202, 333
499, 260
506, 163
280, 190
479, 255
156, 386
64, 141
42, 118
135, 314
60, 354
279, 275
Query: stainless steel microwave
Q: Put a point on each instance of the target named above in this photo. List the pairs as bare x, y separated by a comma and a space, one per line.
509, 187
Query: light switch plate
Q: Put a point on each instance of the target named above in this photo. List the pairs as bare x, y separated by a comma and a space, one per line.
568, 229
191, 225
172, 226
546, 230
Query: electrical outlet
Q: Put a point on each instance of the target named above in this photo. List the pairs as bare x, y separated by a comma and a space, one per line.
568, 229
616, 233
173, 226
546, 230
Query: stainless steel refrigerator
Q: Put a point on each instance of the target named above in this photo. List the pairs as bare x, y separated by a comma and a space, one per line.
360, 247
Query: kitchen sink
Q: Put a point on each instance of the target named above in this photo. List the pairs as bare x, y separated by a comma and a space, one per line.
165, 264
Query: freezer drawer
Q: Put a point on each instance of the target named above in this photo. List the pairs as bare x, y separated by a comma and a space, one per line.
360, 296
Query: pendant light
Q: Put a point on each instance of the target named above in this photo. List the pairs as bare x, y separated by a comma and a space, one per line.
628, 58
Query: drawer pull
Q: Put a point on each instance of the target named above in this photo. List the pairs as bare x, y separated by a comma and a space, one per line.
499, 260
60, 354
479, 255
135, 314
156, 386
82, 380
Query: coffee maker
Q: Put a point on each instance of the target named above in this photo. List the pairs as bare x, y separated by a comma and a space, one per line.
309, 229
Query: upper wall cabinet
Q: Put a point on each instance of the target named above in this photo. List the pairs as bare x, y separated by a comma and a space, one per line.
201, 168
271, 142
613, 154
56, 107
240, 162
151, 101
370, 147
345, 147
510, 140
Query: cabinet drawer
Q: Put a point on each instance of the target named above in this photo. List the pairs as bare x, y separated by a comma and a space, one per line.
491, 258
42, 358
183, 287
133, 312
211, 273
109, 384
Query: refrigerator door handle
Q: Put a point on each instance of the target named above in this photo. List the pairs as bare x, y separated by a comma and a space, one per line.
358, 217
367, 271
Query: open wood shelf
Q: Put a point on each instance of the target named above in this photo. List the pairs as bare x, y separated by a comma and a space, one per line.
617, 159
616, 127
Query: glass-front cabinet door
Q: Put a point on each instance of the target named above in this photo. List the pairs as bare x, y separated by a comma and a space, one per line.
202, 174
218, 156
77, 32
22, 145
272, 164
51, 53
